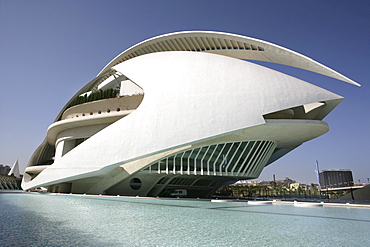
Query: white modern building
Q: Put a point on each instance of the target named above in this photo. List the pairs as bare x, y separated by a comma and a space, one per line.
181, 111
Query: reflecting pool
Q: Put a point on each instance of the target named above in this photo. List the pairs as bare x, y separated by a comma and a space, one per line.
64, 220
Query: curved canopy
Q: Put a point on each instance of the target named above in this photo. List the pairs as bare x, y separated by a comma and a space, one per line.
226, 44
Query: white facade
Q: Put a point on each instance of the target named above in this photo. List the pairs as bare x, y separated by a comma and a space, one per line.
189, 114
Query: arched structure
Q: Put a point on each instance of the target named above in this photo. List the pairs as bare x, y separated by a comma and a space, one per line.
181, 111
226, 44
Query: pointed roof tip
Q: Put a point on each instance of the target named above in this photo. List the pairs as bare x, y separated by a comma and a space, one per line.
352, 82
357, 84
346, 79
15, 170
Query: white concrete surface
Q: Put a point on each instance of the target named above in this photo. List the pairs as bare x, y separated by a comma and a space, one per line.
190, 99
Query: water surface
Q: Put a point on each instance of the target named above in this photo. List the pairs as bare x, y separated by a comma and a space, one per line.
62, 220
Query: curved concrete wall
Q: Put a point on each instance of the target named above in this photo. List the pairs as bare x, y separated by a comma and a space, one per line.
189, 98
106, 106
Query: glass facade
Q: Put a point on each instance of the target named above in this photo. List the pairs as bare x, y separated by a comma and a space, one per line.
243, 159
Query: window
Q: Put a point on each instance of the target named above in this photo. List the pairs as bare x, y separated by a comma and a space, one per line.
135, 183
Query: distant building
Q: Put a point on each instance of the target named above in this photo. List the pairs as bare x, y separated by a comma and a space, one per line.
277, 183
285, 183
294, 186
335, 178
9, 182
4, 169
14, 171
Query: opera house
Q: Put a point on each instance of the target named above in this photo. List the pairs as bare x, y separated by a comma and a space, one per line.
182, 111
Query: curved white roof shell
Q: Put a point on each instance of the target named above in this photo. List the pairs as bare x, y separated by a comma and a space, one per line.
233, 45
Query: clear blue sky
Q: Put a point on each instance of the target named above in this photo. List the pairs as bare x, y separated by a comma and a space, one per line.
50, 49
